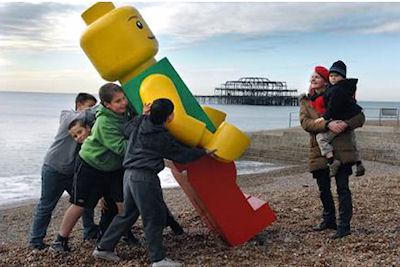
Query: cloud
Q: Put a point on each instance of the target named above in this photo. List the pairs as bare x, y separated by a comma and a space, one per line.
38, 26
57, 25
388, 27
5, 63
185, 23
55, 81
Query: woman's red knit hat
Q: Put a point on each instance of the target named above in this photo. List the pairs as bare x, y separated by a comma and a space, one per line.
324, 72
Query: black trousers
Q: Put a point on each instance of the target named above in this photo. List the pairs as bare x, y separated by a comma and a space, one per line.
108, 215
344, 195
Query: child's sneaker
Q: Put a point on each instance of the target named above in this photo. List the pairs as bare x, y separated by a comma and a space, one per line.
60, 244
105, 255
334, 167
166, 263
360, 170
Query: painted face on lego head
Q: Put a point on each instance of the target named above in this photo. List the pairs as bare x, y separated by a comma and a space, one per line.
140, 26
79, 133
119, 42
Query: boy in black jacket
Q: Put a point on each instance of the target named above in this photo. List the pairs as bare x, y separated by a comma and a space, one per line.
340, 105
149, 143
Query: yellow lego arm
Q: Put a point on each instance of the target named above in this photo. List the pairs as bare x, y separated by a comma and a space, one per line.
228, 140
216, 116
185, 128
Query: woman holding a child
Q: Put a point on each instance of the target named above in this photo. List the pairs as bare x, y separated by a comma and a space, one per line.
313, 107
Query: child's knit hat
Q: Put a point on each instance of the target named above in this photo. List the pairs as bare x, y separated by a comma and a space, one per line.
339, 67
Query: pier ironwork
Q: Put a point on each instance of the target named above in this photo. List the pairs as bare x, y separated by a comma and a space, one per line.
252, 91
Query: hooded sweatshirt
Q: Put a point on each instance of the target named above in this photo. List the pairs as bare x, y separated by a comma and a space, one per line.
62, 152
340, 101
104, 149
149, 144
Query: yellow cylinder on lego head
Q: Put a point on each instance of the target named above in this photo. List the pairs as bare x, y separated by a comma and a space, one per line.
118, 41
216, 116
185, 128
96, 11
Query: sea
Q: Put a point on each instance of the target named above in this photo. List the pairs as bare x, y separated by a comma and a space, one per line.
29, 122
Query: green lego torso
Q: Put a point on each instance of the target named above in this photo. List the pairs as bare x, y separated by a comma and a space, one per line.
132, 87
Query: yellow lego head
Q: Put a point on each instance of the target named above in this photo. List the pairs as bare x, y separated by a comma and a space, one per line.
118, 41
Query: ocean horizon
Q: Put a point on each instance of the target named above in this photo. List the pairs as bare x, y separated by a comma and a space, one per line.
29, 122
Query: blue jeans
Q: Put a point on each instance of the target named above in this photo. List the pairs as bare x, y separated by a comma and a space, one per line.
53, 186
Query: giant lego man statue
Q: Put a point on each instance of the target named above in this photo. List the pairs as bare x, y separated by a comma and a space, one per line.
121, 46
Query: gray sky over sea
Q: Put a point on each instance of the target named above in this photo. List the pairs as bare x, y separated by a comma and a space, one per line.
210, 43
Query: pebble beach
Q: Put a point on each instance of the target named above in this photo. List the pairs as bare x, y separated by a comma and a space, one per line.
289, 241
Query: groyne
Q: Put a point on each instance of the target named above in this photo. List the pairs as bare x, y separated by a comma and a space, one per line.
376, 143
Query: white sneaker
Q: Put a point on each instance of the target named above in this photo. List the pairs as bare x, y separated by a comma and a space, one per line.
166, 263
105, 255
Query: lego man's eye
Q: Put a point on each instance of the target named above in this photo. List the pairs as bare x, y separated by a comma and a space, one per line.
139, 24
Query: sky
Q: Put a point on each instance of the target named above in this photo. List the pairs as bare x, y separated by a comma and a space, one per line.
209, 43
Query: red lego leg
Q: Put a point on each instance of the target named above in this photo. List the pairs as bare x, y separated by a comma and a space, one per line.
212, 189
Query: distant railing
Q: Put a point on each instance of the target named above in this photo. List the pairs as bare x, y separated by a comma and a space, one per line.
389, 113
293, 116
379, 114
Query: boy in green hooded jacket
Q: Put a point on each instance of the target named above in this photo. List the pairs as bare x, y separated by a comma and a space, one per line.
98, 169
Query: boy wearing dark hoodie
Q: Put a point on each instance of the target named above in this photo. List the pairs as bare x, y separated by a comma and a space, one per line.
340, 105
98, 170
149, 143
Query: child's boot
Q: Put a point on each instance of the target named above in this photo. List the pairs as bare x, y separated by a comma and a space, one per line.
60, 244
341, 232
360, 169
333, 167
